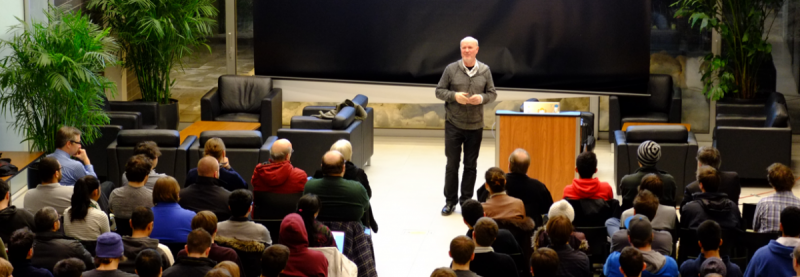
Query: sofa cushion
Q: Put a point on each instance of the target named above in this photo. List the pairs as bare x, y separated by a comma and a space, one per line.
344, 118
238, 117
243, 94
163, 138
234, 139
646, 117
657, 133
777, 115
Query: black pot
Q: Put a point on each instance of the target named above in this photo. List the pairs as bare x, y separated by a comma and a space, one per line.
168, 115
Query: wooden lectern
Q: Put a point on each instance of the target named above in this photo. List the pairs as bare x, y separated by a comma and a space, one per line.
553, 141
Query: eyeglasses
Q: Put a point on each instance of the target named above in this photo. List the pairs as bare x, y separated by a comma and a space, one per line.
76, 142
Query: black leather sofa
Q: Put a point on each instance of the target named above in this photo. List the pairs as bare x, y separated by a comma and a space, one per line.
663, 104
369, 124
173, 153
244, 99
244, 149
678, 152
752, 136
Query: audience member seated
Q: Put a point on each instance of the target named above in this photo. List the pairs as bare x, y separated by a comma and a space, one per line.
84, 220
231, 268
342, 200
714, 267
196, 263
218, 272
586, 187
302, 261
353, 173
150, 150
228, 177
462, 250
239, 226
126, 198
709, 237
51, 245
49, 193
11, 217
729, 180
573, 262
499, 205
648, 154
775, 258
207, 221
577, 240
278, 175
646, 204
533, 193
274, 260
6, 268
505, 242
544, 262
209, 193
109, 254
486, 262
319, 235
71, 267
710, 204
443, 272
666, 218
631, 262
149, 263
768, 209
142, 225
68, 144
171, 223
640, 234
20, 251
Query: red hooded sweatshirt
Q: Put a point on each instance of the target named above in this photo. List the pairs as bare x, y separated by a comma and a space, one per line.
303, 262
280, 177
588, 189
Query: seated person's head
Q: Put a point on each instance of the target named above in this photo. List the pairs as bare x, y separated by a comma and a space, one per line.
640, 232
344, 147
713, 265
46, 220
240, 202
109, 248
49, 170
519, 161
20, 247
648, 153
148, 263
72, 267
5, 268
231, 267
208, 167
645, 204
333, 163
214, 148
443, 272
462, 250
544, 262
149, 149
142, 219
166, 190
206, 220
218, 272
586, 165
709, 235
471, 210
709, 156
631, 262
559, 229
652, 183
563, 208
138, 168
495, 180
485, 232
68, 139
790, 222
708, 177
780, 177
274, 260
308, 208
281, 150
198, 242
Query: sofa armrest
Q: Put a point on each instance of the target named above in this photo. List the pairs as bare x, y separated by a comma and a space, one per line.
148, 110
113, 169
194, 154
181, 168
311, 123
675, 106
127, 120
312, 110
266, 149
740, 121
614, 114
271, 112
620, 158
210, 105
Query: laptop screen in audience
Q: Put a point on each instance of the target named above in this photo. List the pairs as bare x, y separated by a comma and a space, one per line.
338, 236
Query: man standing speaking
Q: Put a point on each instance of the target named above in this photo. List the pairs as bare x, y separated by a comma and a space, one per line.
465, 87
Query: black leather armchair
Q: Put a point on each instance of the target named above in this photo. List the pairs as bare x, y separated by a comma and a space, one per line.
245, 150
311, 137
369, 124
663, 105
244, 99
132, 114
173, 153
97, 150
749, 142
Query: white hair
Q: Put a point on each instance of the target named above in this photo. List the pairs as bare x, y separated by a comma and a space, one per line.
468, 38
344, 147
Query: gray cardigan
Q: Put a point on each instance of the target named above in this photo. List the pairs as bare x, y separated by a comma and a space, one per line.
455, 79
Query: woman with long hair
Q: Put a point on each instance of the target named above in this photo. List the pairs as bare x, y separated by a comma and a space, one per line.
84, 220
319, 235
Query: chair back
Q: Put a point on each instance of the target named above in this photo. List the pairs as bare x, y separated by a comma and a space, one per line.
91, 246
243, 149
243, 94
748, 213
593, 212
174, 247
123, 226
689, 248
273, 226
267, 205
678, 151
599, 247
660, 89
97, 153
753, 241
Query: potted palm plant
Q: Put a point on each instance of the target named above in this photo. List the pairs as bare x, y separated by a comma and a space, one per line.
52, 78
155, 35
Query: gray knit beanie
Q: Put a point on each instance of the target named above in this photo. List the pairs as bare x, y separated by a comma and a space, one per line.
649, 153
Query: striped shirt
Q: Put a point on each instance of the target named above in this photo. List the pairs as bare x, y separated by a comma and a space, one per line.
768, 211
91, 227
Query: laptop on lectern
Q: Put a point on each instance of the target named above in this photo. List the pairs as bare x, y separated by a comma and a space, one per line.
541, 107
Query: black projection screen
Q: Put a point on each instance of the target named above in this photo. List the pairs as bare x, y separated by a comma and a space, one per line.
584, 45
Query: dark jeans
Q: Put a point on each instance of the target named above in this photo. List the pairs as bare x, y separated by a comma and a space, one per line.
454, 138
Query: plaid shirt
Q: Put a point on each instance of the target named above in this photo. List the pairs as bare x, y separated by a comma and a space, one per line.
768, 211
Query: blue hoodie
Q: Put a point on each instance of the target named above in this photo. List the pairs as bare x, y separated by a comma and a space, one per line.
661, 267
771, 260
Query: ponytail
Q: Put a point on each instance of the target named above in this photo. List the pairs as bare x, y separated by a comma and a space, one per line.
81, 197
307, 206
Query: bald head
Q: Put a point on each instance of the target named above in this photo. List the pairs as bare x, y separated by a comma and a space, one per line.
208, 167
519, 161
333, 163
281, 150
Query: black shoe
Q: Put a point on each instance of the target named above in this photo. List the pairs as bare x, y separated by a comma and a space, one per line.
448, 209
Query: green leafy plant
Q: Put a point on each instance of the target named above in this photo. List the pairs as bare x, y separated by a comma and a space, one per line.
52, 77
741, 25
156, 34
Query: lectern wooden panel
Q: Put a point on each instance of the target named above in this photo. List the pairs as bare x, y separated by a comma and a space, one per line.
552, 141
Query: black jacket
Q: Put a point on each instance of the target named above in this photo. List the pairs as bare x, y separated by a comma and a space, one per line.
12, 219
51, 247
711, 205
493, 264
207, 195
629, 187
190, 267
729, 185
132, 247
572, 263
354, 173
506, 243
24, 268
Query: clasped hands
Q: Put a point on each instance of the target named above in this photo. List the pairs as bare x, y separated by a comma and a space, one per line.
463, 99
